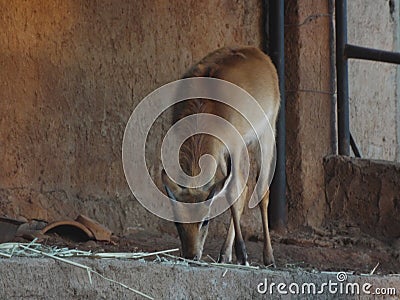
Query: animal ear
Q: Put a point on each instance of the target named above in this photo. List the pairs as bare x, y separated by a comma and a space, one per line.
171, 187
217, 188
223, 184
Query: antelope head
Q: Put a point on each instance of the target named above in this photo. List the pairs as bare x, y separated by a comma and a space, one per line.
192, 235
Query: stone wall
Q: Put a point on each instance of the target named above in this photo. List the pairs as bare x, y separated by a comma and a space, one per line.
365, 194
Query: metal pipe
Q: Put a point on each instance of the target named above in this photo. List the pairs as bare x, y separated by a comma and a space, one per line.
332, 81
277, 207
351, 51
265, 21
342, 78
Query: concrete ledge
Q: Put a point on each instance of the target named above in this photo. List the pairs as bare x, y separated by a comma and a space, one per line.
364, 193
40, 278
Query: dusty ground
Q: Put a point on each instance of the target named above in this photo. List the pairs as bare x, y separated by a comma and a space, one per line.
335, 250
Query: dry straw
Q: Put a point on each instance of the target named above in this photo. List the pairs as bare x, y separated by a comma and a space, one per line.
34, 249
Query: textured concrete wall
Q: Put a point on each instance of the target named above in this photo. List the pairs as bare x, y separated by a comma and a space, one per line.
373, 86
309, 103
71, 73
364, 193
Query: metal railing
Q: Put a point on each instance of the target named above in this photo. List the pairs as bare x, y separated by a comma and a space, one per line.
274, 27
344, 52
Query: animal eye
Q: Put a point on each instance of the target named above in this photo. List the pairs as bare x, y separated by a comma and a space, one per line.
205, 223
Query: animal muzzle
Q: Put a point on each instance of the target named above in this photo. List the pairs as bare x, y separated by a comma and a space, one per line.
192, 255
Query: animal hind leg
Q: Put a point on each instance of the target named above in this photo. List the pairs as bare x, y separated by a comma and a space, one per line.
263, 179
267, 250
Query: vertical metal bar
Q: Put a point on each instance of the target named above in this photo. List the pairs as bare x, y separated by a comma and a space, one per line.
354, 147
342, 77
265, 21
332, 81
277, 207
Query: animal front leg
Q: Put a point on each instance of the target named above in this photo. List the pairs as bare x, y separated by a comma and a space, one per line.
226, 250
225, 255
240, 247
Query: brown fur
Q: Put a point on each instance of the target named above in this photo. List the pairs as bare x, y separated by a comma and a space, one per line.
253, 71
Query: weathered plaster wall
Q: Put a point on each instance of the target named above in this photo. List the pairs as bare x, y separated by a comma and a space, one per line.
364, 193
71, 73
309, 103
373, 86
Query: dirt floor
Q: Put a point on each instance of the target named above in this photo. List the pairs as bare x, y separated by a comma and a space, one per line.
334, 250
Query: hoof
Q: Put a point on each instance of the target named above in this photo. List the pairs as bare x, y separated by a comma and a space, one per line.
269, 261
224, 259
246, 263
241, 253
243, 261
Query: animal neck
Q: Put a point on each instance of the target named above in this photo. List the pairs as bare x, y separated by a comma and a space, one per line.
198, 145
